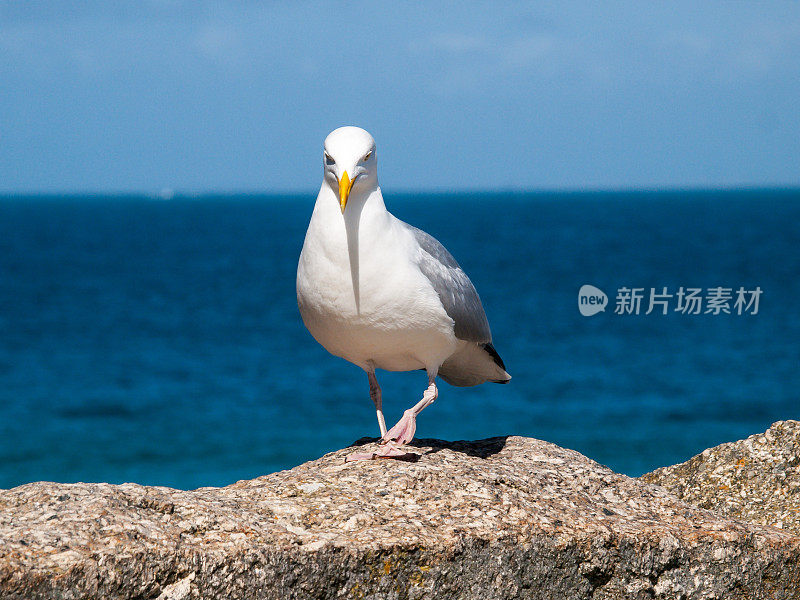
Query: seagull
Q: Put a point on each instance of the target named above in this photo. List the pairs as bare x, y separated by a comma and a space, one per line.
383, 294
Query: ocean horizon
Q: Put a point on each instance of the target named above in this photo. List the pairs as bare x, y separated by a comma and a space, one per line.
155, 338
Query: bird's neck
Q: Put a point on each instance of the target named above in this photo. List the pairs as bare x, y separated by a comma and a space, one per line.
363, 206
352, 234
366, 207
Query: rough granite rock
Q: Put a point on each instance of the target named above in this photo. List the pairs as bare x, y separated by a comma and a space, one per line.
498, 518
757, 479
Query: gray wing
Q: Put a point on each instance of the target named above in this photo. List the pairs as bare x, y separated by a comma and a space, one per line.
455, 290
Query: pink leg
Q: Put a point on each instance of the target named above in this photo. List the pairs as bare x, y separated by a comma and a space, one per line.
375, 394
403, 432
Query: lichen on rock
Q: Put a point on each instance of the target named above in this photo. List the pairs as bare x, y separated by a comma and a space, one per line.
756, 479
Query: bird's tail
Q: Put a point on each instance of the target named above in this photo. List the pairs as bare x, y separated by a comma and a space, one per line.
498, 361
474, 364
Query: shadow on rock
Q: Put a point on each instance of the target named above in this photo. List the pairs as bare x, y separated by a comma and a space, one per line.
478, 448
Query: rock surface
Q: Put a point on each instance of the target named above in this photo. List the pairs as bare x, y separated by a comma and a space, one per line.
757, 479
499, 518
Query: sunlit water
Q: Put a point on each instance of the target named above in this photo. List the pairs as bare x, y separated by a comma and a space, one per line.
159, 341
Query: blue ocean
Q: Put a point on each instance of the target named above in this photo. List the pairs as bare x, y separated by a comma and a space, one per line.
159, 341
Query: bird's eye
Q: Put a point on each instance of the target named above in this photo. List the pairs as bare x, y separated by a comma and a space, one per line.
366, 156
328, 159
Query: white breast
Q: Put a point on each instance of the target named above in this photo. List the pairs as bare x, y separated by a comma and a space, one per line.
361, 294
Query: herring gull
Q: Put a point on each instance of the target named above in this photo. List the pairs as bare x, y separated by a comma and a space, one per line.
383, 294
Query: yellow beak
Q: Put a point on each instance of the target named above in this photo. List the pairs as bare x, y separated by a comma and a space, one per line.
344, 190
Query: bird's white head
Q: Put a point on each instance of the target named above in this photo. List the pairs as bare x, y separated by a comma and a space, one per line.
350, 162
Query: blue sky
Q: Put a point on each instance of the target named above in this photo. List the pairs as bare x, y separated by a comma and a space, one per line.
203, 96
